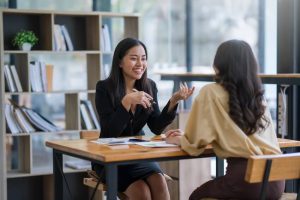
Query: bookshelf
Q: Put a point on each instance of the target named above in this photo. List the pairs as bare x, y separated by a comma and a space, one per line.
34, 168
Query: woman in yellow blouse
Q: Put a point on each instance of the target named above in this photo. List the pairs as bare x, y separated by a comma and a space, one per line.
232, 116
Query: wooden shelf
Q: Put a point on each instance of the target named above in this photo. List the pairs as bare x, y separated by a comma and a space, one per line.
108, 53
85, 31
52, 92
51, 52
42, 133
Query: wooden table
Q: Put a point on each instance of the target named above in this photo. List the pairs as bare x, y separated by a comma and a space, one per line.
111, 157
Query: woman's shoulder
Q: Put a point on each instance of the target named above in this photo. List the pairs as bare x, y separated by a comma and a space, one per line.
102, 84
151, 83
214, 90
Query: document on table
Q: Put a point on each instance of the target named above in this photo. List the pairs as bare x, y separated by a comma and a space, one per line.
155, 144
114, 141
132, 140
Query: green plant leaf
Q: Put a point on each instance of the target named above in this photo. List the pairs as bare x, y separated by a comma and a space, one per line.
25, 36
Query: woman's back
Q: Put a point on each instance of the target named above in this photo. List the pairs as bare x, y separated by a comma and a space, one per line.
210, 123
231, 115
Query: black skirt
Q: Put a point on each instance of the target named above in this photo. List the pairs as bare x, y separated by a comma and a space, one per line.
127, 174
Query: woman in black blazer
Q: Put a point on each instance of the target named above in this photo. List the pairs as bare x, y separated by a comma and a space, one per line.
126, 101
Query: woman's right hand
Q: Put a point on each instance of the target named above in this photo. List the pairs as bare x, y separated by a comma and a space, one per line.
137, 97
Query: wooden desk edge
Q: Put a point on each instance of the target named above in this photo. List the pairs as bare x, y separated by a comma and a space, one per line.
284, 143
140, 154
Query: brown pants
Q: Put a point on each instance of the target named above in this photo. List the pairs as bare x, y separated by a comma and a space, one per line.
233, 186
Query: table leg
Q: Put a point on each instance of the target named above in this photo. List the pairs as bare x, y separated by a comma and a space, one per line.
58, 177
219, 167
111, 181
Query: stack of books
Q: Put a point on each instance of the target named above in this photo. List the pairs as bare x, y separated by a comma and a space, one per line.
20, 119
89, 119
41, 76
62, 40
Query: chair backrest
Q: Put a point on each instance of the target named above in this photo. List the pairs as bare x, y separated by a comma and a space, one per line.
89, 134
282, 167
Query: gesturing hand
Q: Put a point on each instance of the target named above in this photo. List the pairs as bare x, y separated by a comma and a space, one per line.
139, 97
183, 93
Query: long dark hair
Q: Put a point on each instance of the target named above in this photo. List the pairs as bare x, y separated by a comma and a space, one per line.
116, 78
236, 69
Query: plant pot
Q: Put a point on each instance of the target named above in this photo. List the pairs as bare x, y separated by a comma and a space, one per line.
26, 47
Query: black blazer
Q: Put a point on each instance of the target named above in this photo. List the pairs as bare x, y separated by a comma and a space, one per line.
116, 121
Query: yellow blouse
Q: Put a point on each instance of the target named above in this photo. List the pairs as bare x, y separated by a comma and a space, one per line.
209, 123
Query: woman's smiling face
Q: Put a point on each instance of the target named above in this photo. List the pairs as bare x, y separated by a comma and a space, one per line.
134, 63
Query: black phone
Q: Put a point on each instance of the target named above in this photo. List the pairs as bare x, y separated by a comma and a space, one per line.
137, 140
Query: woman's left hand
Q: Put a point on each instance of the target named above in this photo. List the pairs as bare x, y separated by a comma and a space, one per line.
183, 93
173, 136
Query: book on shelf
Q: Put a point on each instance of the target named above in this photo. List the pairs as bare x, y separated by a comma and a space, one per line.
102, 46
106, 40
62, 39
41, 76
11, 122
24, 120
67, 38
86, 120
16, 78
49, 77
91, 113
35, 76
60, 44
39, 122
9, 79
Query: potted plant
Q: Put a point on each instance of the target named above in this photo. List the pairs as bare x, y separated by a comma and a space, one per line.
25, 40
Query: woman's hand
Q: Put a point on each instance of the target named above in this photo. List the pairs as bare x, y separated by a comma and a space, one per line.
174, 132
137, 97
182, 94
173, 136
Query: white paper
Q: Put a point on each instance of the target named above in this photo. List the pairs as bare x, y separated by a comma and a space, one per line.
114, 141
155, 144
126, 141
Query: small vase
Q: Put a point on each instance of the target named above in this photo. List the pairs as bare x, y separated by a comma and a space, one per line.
26, 47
